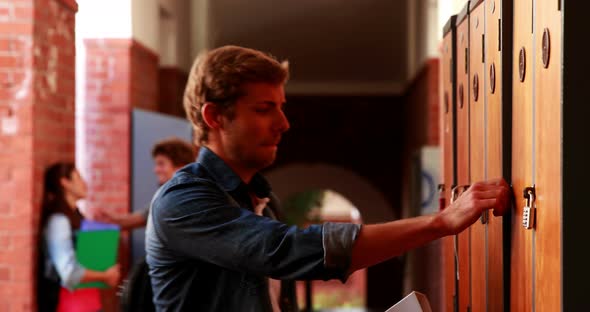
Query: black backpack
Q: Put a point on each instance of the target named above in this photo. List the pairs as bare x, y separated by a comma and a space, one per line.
48, 281
137, 292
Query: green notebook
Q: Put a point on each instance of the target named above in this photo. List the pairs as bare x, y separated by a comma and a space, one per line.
97, 251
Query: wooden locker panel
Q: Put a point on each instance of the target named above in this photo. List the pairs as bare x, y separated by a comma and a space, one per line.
448, 78
547, 153
498, 54
521, 278
477, 149
463, 178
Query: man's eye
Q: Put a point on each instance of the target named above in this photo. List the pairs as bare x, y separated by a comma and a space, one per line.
262, 109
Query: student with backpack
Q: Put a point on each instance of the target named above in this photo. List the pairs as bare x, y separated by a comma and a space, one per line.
59, 271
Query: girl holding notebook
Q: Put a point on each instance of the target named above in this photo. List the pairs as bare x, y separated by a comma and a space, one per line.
59, 271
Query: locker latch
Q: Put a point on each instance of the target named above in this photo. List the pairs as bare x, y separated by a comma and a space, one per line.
457, 191
441, 197
528, 212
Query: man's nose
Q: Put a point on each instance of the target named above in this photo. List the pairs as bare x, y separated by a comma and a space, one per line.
282, 124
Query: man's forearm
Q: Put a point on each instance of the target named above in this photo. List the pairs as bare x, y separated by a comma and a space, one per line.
132, 221
379, 242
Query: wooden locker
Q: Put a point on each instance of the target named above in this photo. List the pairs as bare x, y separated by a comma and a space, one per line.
550, 116
448, 130
463, 176
547, 155
521, 278
498, 112
477, 163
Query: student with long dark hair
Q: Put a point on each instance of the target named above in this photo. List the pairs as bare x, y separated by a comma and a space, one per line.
59, 271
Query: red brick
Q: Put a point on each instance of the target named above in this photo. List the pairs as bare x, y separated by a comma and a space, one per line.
15, 292
16, 28
24, 13
5, 242
5, 209
4, 274
23, 272
10, 61
6, 11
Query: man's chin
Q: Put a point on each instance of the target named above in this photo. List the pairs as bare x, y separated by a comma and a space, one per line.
263, 161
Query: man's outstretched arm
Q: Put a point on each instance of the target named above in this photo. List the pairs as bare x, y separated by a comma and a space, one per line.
380, 242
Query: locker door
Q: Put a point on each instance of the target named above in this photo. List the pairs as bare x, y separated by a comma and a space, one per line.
498, 49
477, 149
521, 278
448, 78
463, 99
547, 156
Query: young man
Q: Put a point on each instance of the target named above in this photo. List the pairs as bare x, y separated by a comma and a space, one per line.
206, 247
169, 155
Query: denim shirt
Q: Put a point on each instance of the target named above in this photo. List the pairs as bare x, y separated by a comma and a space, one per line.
208, 251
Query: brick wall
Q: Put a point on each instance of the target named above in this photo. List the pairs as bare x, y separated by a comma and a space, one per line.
36, 129
121, 74
107, 124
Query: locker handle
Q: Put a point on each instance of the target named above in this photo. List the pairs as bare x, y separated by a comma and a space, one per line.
546, 47
492, 78
475, 87
522, 64
466, 60
483, 48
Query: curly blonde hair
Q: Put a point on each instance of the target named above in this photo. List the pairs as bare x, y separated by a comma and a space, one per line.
218, 76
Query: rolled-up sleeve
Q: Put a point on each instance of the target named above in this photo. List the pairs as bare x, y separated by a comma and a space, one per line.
338, 240
61, 251
200, 222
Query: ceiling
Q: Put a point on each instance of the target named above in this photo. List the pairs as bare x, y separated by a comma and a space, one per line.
333, 46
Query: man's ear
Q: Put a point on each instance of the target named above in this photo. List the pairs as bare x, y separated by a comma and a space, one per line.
211, 116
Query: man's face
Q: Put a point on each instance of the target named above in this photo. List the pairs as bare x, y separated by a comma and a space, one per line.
251, 138
163, 168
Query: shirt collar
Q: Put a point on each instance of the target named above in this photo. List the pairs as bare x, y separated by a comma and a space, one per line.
227, 178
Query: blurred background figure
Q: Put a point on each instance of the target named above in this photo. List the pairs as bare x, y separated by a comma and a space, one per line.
59, 271
169, 155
